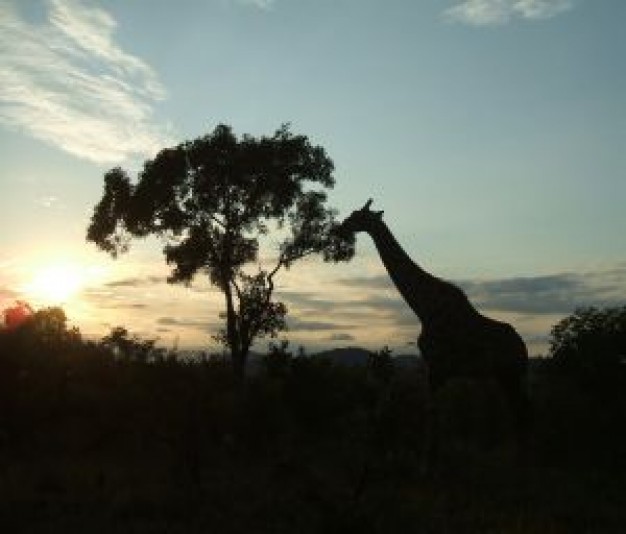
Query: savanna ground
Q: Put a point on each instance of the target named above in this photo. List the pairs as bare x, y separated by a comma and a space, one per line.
97, 440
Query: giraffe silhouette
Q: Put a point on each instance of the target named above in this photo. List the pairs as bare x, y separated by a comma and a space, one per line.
456, 341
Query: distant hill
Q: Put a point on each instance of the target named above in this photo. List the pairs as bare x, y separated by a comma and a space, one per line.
348, 356
356, 356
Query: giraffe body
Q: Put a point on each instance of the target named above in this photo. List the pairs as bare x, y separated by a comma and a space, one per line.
456, 340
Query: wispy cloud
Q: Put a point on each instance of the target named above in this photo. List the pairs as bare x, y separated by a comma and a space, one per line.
66, 82
134, 281
8, 294
126, 306
204, 325
491, 12
558, 294
341, 337
261, 4
302, 325
48, 201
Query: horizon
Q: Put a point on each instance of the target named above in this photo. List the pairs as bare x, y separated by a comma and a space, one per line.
490, 132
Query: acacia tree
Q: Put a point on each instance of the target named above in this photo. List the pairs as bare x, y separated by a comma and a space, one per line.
211, 200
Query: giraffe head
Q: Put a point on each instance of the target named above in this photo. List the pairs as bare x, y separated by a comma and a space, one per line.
361, 220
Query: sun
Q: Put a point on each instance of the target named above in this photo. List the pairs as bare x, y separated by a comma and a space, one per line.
55, 283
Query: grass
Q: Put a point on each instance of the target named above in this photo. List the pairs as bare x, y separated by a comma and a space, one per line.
90, 443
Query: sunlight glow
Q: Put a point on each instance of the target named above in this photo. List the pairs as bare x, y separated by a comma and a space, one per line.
55, 283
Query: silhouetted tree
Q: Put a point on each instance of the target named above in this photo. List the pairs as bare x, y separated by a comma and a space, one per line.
131, 347
278, 359
211, 200
43, 333
257, 315
591, 344
380, 365
17, 314
50, 326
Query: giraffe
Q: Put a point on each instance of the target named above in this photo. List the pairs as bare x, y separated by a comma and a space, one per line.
455, 340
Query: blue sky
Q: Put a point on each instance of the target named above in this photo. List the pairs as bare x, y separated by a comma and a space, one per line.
492, 133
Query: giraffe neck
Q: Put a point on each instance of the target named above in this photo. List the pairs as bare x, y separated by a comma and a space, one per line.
416, 286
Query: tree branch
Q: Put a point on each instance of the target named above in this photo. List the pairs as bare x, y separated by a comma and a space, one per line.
237, 290
216, 220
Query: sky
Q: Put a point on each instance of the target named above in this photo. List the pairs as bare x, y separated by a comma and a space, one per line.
491, 132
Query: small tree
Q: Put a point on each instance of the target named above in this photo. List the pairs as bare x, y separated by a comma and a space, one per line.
17, 314
42, 329
211, 200
591, 345
380, 365
132, 348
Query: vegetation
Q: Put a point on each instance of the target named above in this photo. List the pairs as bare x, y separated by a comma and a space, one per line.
120, 436
212, 200
590, 346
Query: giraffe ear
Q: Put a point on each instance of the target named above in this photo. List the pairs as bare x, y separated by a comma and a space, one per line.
379, 214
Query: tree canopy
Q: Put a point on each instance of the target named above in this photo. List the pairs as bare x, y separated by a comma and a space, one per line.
211, 200
17, 314
591, 344
35, 331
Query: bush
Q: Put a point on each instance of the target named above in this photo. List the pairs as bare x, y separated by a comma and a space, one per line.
590, 345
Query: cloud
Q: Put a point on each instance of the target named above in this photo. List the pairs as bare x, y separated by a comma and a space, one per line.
366, 310
301, 325
191, 323
377, 306
492, 12
553, 294
341, 337
125, 306
261, 4
137, 281
68, 83
8, 294
163, 330
49, 201
390, 308
304, 301
380, 281
532, 304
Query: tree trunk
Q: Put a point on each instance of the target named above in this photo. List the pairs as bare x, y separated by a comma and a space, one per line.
238, 358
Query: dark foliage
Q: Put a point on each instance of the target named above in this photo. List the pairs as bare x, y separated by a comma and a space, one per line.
131, 348
118, 437
590, 346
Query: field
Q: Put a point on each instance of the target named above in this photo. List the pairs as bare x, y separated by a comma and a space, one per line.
94, 442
